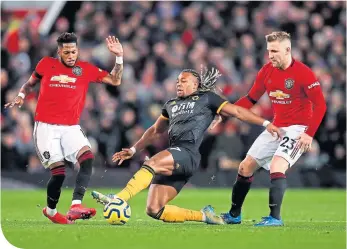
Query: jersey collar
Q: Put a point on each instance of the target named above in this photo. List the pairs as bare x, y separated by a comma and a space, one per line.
196, 92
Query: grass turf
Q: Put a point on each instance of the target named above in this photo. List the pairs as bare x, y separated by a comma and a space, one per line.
313, 219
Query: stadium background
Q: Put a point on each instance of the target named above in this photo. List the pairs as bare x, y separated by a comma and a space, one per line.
159, 40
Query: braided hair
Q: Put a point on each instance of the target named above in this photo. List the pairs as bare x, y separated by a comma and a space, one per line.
206, 79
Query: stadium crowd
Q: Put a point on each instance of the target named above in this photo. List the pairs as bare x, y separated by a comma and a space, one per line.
159, 40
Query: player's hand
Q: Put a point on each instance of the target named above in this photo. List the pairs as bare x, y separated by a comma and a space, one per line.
17, 101
114, 45
274, 131
125, 154
215, 122
305, 142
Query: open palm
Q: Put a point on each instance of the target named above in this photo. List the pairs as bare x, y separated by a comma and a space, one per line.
125, 154
114, 45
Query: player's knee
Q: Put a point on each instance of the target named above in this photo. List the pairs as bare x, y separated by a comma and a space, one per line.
245, 168
86, 163
153, 163
154, 210
82, 151
279, 164
86, 155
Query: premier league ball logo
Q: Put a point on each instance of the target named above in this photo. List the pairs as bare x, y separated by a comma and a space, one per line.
289, 83
77, 71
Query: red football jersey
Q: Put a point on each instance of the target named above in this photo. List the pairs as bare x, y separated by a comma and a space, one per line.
295, 94
63, 90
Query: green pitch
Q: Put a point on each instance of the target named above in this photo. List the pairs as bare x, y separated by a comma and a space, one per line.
313, 219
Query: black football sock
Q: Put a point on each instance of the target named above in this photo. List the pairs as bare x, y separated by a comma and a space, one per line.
83, 176
54, 186
240, 190
277, 190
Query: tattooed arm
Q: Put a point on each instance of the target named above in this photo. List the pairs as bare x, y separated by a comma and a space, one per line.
116, 74
24, 91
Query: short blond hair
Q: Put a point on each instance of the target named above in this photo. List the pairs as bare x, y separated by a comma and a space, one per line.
277, 36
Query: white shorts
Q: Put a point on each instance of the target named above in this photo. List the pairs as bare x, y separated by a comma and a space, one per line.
54, 143
266, 146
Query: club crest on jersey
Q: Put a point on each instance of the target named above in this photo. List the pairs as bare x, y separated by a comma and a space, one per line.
77, 71
289, 83
46, 154
195, 97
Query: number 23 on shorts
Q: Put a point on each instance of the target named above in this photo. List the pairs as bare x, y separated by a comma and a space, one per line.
288, 143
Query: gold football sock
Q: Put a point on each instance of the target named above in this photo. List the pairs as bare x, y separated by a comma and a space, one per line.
141, 180
177, 214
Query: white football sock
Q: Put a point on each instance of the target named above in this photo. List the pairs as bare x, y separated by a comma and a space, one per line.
51, 212
76, 202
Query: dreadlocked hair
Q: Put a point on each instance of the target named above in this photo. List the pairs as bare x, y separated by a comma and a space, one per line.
207, 79
66, 38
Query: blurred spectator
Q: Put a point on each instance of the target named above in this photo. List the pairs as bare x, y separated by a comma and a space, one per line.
228, 150
10, 158
312, 163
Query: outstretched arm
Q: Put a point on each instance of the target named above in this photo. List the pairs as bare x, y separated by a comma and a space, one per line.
159, 127
254, 94
115, 47
241, 113
24, 91
249, 117
153, 132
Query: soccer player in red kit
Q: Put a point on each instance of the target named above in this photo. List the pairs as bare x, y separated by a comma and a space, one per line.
298, 105
57, 135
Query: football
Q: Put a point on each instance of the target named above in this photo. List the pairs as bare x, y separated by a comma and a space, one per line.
117, 212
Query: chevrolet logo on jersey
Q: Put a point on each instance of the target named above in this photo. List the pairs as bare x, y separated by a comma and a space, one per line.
278, 94
63, 79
